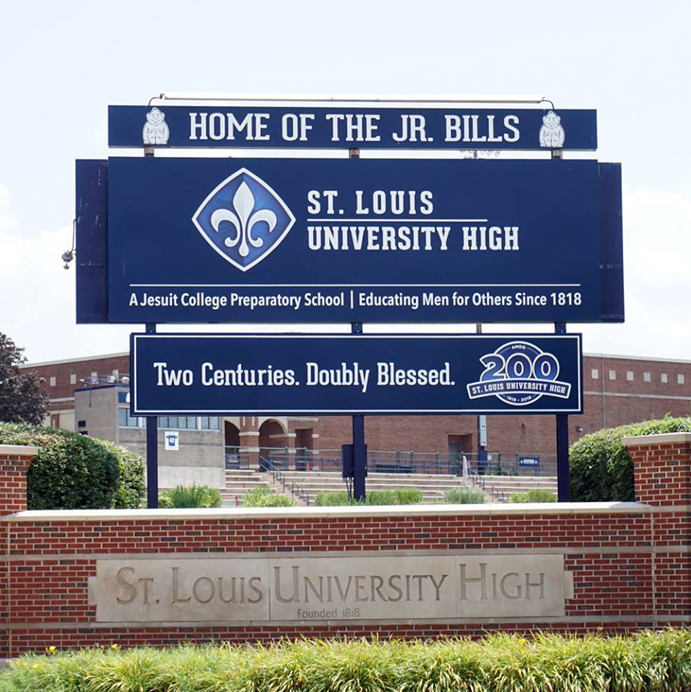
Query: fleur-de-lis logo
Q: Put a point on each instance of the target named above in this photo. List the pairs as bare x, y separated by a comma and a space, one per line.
243, 219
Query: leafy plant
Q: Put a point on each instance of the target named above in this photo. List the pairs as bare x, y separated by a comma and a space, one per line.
464, 496
22, 397
600, 465
189, 496
398, 496
262, 496
534, 495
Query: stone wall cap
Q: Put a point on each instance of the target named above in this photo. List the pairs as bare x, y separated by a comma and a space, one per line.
658, 439
288, 513
23, 450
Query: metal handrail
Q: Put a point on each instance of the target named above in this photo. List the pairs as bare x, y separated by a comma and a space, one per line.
296, 490
398, 461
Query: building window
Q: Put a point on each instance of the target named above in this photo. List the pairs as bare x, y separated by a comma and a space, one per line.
178, 422
94, 374
680, 379
125, 420
52, 382
646, 377
629, 375
210, 423
116, 373
663, 378
595, 373
612, 374
73, 379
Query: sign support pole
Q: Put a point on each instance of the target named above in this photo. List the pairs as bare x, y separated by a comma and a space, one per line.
359, 448
481, 431
151, 451
563, 479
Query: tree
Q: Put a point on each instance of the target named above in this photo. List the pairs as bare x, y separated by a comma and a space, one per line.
22, 398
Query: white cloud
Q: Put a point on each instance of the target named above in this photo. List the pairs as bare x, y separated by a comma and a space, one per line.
38, 295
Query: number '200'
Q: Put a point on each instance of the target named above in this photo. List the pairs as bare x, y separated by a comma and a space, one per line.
520, 366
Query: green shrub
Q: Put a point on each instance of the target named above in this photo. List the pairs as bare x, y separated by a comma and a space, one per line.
262, 496
534, 495
190, 496
464, 496
73, 471
374, 498
600, 465
132, 483
646, 662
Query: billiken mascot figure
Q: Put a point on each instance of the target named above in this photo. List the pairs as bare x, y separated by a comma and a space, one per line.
156, 129
552, 133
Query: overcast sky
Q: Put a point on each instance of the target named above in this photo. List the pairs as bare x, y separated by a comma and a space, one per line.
63, 62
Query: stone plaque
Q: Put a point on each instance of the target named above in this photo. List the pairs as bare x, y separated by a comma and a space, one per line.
397, 587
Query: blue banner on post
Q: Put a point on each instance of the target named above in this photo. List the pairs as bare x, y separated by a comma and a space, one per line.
266, 240
333, 126
223, 374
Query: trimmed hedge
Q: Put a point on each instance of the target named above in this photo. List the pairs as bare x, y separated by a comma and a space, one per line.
600, 465
132, 483
646, 662
73, 471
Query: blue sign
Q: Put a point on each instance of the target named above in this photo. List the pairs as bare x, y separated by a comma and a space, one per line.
335, 126
241, 374
529, 461
295, 240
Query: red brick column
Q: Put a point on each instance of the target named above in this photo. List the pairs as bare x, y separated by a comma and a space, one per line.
662, 476
662, 468
14, 462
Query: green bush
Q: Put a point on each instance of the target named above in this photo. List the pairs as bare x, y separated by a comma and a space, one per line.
646, 662
399, 496
132, 483
464, 496
534, 495
261, 496
190, 496
600, 465
73, 471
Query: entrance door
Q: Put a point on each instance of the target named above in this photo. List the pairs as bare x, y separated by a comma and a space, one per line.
303, 445
458, 446
231, 439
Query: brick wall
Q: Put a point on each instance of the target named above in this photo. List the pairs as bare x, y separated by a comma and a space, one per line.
629, 562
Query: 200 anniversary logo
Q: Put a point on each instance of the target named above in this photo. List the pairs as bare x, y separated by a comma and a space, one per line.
519, 373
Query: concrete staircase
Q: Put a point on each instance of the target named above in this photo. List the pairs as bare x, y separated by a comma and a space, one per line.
500, 488
432, 486
239, 481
